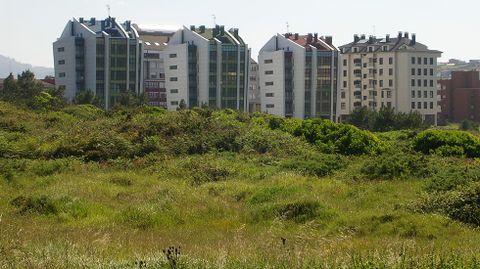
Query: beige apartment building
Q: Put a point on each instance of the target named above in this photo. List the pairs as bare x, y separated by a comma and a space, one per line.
389, 72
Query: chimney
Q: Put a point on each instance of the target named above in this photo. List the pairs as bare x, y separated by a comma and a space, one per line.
400, 34
309, 38
296, 36
202, 29
406, 35
235, 32
370, 39
92, 21
356, 38
80, 20
329, 40
192, 28
315, 37
414, 39
222, 30
387, 38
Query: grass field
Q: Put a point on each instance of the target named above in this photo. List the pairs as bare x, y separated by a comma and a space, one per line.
224, 210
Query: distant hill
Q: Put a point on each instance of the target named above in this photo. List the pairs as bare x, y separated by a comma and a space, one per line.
8, 65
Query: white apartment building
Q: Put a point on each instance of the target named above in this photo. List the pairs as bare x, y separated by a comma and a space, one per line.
394, 72
254, 98
298, 76
207, 66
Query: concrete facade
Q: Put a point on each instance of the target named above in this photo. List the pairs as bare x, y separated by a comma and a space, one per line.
393, 72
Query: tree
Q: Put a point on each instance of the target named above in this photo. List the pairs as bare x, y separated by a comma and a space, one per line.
182, 105
84, 97
10, 88
361, 117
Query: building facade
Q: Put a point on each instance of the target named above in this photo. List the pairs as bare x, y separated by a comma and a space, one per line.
393, 72
154, 41
254, 98
207, 67
100, 56
460, 97
298, 76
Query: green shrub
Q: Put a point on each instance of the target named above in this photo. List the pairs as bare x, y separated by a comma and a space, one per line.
42, 205
316, 165
345, 139
448, 143
203, 171
299, 211
452, 175
49, 167
84, 112
393, 165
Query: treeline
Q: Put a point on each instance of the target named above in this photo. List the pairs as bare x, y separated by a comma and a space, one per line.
384, 120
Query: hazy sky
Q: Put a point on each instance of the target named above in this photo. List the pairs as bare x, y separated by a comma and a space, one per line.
30, 26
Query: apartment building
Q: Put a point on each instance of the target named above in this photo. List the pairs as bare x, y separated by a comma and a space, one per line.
394, 72
154, 40
207, 66
460, 97
298, 76
254, 99
98, 55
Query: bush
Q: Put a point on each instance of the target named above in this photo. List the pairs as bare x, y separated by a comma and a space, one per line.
452, 176
38, 205
462, 204
203, 172
299, 211
393, 165
49, 167
448, 143
319, 165
339, 138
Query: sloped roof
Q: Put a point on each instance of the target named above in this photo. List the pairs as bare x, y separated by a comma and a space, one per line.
394, 44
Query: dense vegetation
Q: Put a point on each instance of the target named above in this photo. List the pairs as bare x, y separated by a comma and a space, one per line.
80, 187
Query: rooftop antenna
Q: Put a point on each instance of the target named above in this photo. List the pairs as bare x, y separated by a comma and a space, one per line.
108, 10
214, 20
288, 27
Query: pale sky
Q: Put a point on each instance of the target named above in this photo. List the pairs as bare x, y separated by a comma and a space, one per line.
30, 26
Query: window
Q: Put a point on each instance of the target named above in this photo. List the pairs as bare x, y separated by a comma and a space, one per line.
425, 83
385, 48
270, 83
431, 72
381, 83
419, 61
364, 87
413, 103
343, 95
431, 105
173, 67
173, 55
413, 92
419, 94
381, 72
270, 105
344, 62
431, 94
419, 83
174, 79
413, 71
61, 49
174, 103
390, 72
355, 49
413, 83
174, 91
389, 104
419, 71
413, 62
425, 105
61, 62
431, 83
370, 49
425, 61
269, 72
425, 72
269, 61
389, 94
344, 84
383, 94
381, 60
390, 83
344, 73
269, 94
390, 60
419, 105
62, 75
431, 61
425, 94
343, 106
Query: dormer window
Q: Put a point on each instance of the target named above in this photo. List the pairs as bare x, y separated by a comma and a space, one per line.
384, 48
370, 49
355, 49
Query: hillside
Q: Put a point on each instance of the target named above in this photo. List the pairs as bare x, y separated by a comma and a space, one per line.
81, 188
9, 65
